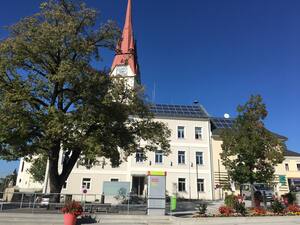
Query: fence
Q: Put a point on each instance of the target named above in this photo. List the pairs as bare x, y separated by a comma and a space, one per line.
52, 203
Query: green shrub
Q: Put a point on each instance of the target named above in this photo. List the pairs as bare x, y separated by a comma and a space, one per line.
291, 198
277, 207
230, 201
202, 208
240, 208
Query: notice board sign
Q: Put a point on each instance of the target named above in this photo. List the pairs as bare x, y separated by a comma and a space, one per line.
156, 193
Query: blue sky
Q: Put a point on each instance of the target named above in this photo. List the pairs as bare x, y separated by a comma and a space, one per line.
218, 52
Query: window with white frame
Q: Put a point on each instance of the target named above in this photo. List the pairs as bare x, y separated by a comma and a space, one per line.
181, 184
158, 157
198, 133
200, 185
199, 158
298, 166
181, 157
180, 132
287, 168
86, 183
139, 156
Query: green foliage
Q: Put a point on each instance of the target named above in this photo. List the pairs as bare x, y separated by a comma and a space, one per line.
202, 208
277, 207
51, 96
233, 202
9, 180
250, 151
240, 208
230, 200
291, 198
38, 169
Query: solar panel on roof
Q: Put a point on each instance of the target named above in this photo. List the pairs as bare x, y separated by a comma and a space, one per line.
178, 110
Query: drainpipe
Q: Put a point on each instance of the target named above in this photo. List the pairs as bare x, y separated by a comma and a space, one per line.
189, 164
211, 162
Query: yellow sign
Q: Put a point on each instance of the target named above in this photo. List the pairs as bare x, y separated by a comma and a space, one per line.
157, 173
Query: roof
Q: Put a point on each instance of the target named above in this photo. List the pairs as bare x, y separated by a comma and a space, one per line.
222, 123
291, 153
126, 48
179, 111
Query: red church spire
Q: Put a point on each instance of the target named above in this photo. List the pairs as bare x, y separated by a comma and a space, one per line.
125, 50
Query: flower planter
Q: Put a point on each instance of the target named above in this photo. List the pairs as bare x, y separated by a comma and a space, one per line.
69, 219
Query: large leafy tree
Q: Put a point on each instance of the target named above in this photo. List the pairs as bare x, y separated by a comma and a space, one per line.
250, 151
53, 99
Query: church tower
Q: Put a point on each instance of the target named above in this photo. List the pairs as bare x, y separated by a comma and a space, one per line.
125, 63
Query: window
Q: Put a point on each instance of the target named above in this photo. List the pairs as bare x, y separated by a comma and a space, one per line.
158, 157
86, 183
22, 168
181, 184
198, 133
180, 132
200, 185
65, 185
298, 166
287, 167
199, 158
181, 157
114, 180
139, 156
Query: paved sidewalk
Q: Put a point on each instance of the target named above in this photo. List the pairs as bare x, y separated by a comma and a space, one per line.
57, 219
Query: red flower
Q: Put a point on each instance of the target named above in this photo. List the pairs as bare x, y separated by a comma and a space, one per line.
73, 208
259, 211
225, 210
293, 208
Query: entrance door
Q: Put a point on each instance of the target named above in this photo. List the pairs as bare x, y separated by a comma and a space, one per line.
138, 184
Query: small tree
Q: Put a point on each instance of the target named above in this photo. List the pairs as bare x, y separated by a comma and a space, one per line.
53, 98
250, 151
8, 181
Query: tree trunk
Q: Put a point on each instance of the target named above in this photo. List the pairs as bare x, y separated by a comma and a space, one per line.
54, 178
58, 180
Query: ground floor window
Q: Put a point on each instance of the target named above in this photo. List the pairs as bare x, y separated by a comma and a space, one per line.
86, 183
181, 184
200, 185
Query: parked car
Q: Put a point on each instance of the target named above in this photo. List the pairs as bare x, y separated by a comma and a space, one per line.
43, 201
259, 190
